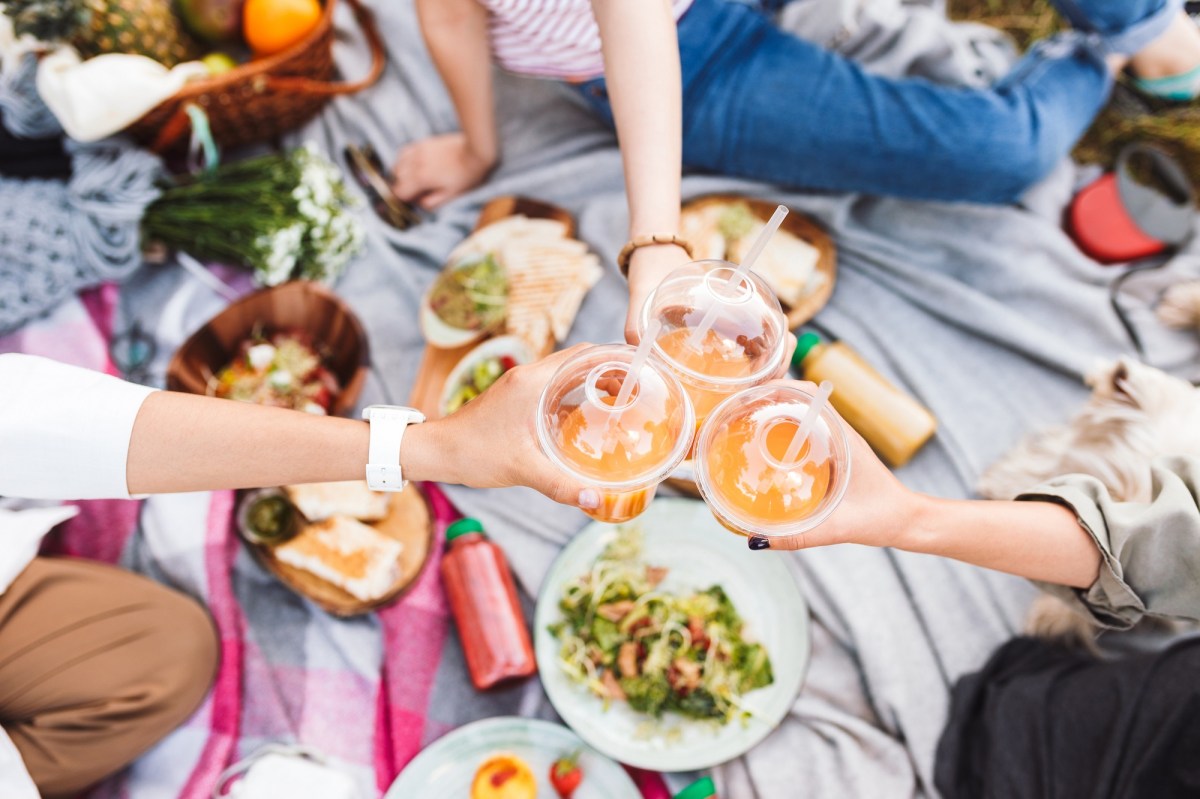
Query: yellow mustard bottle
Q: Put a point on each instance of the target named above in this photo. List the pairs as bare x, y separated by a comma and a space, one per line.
892, 422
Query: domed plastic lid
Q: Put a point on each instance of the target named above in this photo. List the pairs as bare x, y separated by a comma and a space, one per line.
584, 432
746, 339
740, 466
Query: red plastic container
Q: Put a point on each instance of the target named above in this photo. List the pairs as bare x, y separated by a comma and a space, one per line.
483, 599
1118, 219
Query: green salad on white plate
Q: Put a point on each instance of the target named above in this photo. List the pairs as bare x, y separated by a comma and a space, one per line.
666, 643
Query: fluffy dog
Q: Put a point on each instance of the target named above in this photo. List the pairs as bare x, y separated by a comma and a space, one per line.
1136, 413
1180, 306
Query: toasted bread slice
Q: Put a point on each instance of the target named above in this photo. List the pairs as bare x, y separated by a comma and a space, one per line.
340, 550
320, 501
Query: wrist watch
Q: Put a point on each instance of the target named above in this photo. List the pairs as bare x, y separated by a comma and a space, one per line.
388, 423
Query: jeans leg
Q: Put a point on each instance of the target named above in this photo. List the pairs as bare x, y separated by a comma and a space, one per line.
769, 106
1124, 26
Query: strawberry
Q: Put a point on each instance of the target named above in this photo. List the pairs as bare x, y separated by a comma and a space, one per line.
565, 775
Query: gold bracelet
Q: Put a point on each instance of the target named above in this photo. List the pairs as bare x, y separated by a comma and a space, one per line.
649, 241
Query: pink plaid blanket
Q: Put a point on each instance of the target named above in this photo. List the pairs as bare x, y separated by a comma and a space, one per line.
287, 672
369, 693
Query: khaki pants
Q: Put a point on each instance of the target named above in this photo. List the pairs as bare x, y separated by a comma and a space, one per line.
96, 665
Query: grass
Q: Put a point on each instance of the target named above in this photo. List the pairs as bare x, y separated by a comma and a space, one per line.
1176, 128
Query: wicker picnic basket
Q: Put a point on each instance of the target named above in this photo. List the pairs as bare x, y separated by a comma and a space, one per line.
266, 97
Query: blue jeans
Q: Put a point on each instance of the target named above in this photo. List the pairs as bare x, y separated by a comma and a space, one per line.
763, 104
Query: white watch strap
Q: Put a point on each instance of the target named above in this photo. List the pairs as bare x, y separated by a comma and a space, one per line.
388, 424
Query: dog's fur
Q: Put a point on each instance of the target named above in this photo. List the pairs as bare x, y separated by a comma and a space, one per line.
1136, 413
1180, 306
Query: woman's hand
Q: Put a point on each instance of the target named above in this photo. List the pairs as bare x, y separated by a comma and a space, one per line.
647, 268
874, 511
431, 171
491, 442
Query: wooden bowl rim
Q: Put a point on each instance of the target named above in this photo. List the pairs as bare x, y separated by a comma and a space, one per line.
175, 365
258, 66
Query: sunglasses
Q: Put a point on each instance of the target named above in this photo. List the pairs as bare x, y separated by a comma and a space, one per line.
367, 171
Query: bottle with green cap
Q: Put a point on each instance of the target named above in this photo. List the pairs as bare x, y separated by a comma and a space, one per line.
892, 422
702, 788
483, 600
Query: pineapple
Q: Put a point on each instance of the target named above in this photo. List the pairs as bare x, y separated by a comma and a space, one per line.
93, 27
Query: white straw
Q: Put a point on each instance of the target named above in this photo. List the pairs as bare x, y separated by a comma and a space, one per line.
631, 380
806, 424
211, 281
639, 360
760, 244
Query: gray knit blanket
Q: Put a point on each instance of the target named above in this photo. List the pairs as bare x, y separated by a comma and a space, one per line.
60, 236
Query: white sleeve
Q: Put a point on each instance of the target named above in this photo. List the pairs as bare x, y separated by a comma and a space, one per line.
64, 431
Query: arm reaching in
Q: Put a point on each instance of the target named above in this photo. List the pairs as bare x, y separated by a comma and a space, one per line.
437, 169
641, 65
68, 433
1038, 540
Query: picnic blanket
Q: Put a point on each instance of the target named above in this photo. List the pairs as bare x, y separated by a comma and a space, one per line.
989, 315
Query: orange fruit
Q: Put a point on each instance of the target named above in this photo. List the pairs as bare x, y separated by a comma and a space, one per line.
271, 26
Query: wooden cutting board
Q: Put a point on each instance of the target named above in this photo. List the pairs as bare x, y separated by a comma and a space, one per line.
409, 521
436, 363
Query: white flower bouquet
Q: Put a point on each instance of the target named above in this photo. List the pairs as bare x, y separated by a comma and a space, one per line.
284, 216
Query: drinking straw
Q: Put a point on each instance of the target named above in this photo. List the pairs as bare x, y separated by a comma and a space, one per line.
210, 281
760, 244
631, 380
806, 424
635, 366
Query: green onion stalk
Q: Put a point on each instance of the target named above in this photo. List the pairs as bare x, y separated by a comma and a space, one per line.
284, 216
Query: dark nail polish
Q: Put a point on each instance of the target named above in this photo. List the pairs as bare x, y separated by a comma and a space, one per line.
757, 542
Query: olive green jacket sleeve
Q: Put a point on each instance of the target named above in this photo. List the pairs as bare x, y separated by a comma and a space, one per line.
1150, 551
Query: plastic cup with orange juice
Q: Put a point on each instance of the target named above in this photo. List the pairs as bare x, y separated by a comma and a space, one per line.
622, 449
744, 471
721, 332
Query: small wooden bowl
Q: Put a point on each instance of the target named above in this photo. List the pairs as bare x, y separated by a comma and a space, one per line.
802, 227
409, 521
298, 305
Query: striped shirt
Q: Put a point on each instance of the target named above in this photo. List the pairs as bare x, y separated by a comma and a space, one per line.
550, 38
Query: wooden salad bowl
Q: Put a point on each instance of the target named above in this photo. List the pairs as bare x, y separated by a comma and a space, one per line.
297, 305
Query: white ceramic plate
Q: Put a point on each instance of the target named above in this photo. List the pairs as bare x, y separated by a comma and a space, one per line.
445, 769
682, 535
492, 348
